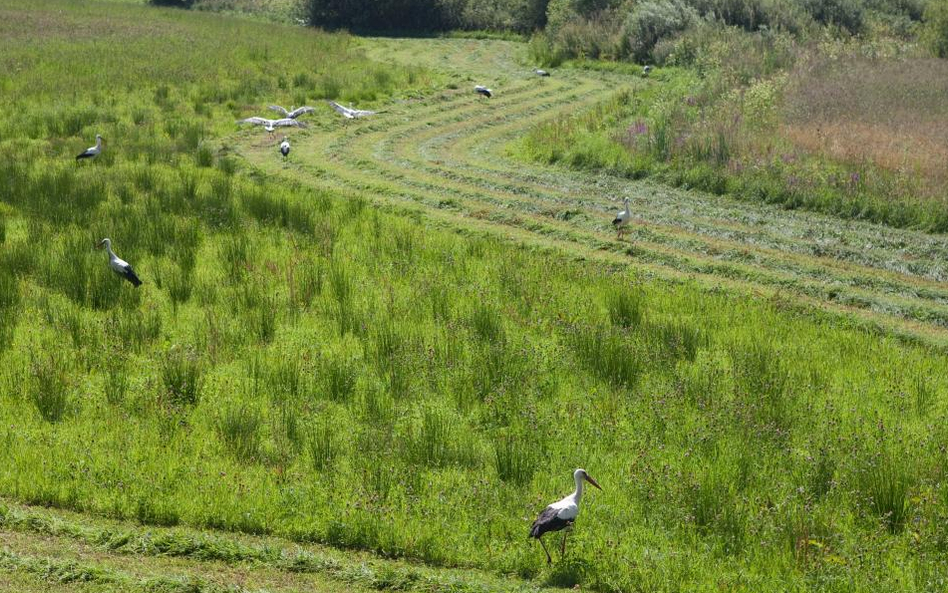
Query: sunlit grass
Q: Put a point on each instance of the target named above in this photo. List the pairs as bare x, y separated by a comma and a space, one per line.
303, 363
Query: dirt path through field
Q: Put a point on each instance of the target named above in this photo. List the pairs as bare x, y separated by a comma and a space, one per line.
445, 155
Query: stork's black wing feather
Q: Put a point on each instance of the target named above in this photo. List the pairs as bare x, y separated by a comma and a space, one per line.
129, 274
547, 521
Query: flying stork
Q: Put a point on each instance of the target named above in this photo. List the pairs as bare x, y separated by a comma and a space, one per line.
271, 124
540, 72
92, 151
285, 148
622, 218
483, 90
562, 513
292, 113
348, 112
119, 265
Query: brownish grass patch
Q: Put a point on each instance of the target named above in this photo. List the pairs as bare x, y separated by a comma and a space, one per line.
893, 114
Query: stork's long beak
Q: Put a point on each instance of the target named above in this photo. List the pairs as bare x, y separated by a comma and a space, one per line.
592, 481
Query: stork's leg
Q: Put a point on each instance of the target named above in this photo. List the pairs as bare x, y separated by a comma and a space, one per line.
549, 560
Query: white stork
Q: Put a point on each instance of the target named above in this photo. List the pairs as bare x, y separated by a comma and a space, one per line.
483, 90
119, 265
561, 513
271, 124
348, 112
292, 113
541, 72
622, 218
646, 70
285, 148
92, 151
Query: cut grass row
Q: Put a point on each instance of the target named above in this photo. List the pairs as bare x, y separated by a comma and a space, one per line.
61, 548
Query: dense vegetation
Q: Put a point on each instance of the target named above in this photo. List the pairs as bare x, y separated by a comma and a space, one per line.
308, 364
620, 29
851, 127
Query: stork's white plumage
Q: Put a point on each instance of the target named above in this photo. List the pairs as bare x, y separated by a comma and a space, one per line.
285, 148
561, 513
483, 90
92, 151
622, 218
119, 265
541, 72
271, 124
348, 112
292, 113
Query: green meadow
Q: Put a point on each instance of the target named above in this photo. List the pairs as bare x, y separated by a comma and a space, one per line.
323, 355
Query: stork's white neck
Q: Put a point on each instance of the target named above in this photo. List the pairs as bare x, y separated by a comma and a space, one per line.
108, 247
578, 493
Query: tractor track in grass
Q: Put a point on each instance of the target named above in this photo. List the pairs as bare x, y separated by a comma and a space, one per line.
45, 549
446, 156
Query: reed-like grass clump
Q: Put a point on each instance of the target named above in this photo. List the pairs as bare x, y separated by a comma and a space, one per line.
182, 378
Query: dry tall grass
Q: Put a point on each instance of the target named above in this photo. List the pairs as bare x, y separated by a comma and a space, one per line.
893, 114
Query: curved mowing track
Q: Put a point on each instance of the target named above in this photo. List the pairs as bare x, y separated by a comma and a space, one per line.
446, 154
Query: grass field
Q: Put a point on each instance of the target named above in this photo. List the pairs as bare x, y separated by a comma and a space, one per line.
401, 342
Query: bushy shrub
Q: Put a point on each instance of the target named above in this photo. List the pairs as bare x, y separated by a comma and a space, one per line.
428, 15
495, 15
379, 15
595, 37
911, 9
752, 15
559, 12
739, 56
654, 20
936, 28
543, 52
848, 15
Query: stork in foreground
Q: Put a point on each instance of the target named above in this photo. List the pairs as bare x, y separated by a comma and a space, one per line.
622, 218
483, 90
92, 151
348, 112
271, 124
292, 113
561, 514
285, 148
539, 72
119, 265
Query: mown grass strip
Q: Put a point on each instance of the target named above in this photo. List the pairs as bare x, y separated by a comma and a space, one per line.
207, 546
57, 572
